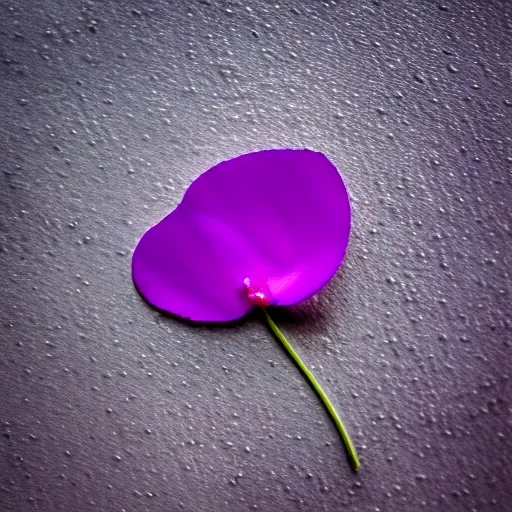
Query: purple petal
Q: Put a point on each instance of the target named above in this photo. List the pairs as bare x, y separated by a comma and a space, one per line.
278, 217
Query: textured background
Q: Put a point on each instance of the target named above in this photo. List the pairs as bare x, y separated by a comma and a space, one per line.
108, 110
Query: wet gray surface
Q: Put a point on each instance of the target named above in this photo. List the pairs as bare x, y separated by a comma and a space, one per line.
109, 110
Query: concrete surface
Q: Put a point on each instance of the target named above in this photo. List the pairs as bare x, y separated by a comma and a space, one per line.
108, 110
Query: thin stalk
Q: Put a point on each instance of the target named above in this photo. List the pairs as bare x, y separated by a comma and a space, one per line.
351, 451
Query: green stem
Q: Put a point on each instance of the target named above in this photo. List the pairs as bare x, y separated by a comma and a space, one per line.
351, 451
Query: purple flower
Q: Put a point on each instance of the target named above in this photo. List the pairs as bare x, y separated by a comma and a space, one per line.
276, 221
264, 229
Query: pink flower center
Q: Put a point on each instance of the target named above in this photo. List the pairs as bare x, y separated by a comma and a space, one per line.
257, 295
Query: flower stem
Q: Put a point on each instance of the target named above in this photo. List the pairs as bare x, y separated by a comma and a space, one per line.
351, 451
